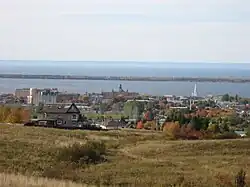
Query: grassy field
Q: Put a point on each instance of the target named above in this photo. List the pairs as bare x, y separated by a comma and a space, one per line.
29, 157
10, 180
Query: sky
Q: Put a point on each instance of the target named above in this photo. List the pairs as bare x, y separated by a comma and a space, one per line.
125, 30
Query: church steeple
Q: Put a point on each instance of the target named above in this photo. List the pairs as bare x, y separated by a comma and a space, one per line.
194, 94
120, 88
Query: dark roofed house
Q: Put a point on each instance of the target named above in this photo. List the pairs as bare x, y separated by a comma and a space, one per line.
60, 116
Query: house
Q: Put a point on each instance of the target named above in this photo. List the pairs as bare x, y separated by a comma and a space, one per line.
60, 116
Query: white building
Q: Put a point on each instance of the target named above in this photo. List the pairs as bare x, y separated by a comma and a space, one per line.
45, 96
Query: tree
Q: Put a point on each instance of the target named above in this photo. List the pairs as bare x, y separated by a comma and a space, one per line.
225, 127
248, 131
172, 129
214, 128
196, 123
205, 123
234, 120
4, 112
15, 116
236, 98
103, 107
139, 125
225, 97
149, 115
133, 109
231, 98
26, 115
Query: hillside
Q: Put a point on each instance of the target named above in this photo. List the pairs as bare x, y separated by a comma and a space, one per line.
142, 158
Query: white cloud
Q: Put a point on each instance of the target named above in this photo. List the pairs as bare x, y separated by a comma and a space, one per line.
171, 30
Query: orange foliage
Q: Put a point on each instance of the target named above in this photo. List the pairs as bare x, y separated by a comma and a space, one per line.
172, 129
209, 113
218, 112
25, 115
202, 113
139, 125
14, 115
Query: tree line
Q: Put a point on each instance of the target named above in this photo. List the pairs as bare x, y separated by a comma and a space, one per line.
203, 124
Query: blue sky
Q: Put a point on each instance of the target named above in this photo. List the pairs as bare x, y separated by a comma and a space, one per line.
137, 30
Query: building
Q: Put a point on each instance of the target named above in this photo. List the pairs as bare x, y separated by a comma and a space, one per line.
169, 98
22, 93
119, 93
60, 116
67, 97
44, 96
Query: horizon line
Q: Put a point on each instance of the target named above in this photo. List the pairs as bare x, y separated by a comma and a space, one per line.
130, 61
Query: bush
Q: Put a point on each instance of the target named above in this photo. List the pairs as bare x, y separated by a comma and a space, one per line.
93, 152
248, 131
240, 179
172, 129
226, 135
14, 115
150, 125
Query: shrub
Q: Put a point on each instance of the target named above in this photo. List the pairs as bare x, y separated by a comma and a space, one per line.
149, 125
14, 115
208, 135
189, 133
93, 152
240, 179
139, 125
172, 129
248, 131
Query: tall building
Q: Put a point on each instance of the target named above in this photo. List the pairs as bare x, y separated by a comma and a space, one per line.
45, 96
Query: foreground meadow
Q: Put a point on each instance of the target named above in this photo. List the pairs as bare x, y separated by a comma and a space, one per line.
31, 156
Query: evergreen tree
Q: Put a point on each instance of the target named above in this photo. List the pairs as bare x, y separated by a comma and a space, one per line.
225, 97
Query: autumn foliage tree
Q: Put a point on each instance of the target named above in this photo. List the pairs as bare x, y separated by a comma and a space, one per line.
172, 129
13, 115
139, 125
4, 112
177, 131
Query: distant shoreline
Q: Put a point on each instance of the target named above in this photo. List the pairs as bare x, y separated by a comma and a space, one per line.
128, 78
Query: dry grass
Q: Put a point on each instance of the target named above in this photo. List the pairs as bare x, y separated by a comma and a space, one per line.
11, 180
137, 158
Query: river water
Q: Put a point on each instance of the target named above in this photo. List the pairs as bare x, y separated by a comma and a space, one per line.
105, 69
